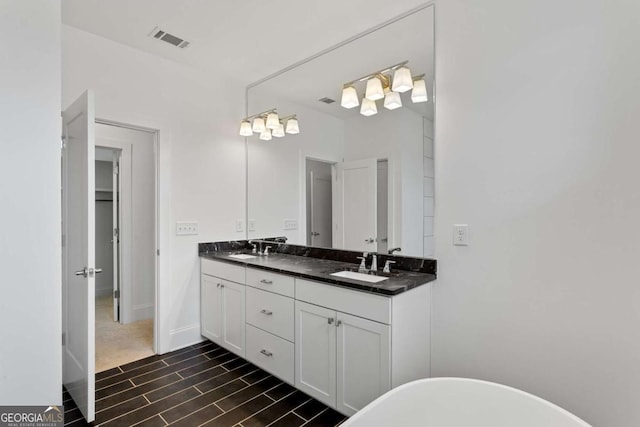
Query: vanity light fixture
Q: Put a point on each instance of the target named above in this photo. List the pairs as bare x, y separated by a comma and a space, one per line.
381, 85
268, 124
419, 92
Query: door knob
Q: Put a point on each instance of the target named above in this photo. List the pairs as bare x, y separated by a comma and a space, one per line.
315, 233
369, 240
84, 272
88, 272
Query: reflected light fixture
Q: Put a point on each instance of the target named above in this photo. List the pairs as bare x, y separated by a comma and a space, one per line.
381, 85
245, 128
292, 125
419, 92
265, 135
349, 97
402, 81
368, 107
392, 100
268, 124
272, 120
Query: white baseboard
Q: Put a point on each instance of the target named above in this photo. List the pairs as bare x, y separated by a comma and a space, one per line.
103, 292
185, 336
141, 312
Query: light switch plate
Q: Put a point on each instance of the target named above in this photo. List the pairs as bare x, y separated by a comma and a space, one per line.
290, 224
460, 234
184, 228
239, 225
251, 225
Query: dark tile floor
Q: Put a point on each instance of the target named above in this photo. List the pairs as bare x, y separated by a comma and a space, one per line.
199, 385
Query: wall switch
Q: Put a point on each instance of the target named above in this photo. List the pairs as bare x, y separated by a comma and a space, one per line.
290, 224
239, 225
186, 228
460, 234
251, 225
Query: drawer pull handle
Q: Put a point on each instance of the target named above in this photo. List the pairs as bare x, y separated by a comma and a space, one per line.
330, 320
266, 282
266, 353
267, 312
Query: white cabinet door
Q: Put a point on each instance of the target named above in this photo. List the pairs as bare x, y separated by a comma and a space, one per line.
315, 347
363, 365
233, 321
211, 308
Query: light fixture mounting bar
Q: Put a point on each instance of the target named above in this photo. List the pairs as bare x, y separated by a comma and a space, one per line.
291, 116
384, 70
262, 114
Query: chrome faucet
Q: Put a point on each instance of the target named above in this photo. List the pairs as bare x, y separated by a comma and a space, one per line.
252, 242
391, 251
374, 263
363, 265
387, 266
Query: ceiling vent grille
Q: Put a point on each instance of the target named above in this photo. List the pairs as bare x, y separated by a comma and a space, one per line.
327, 100
159, 34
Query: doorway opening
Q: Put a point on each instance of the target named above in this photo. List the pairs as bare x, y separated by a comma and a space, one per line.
319, 196
125, 227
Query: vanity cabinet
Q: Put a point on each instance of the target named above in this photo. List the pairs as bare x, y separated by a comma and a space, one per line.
222, 305
342, 360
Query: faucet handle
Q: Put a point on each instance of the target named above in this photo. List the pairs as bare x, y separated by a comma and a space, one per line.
266, 250
387, 266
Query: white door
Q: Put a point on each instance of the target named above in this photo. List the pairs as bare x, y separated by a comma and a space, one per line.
315, 348
233, 320
320, 211
78, 269
211, 308
355, 205
364, 369
116, 236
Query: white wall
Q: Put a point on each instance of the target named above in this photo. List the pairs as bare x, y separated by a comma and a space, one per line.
537, 150
104, 230
396, 135
201, 170
428, 188
30, 307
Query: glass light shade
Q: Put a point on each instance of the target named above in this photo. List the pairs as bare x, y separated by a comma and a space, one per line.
419, 92
374, 89
265, 135
402, 81
292, 126
272, 120
392, 101
368, 107
245, 128
349, 97
258, 125
279, 131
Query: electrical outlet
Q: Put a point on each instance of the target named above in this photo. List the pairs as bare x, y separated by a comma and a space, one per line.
186, 228
460, 234
290, 224
251, 225
239, 225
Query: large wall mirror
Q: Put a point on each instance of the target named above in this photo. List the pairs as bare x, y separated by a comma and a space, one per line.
347, 180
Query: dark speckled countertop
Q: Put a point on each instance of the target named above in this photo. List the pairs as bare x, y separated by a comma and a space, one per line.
320, 269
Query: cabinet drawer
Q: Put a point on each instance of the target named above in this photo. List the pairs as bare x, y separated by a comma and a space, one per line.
360, 304
272, 282
271, 312
271, 353
223, 270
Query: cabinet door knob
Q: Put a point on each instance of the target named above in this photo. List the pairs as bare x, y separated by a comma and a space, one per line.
266, 282
338, 323
266, 353
218, 285
222, 286
330, 320
267, 312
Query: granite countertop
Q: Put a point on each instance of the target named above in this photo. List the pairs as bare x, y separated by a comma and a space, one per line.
320, 269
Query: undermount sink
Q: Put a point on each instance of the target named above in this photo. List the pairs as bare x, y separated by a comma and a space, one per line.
242, 256
359, 276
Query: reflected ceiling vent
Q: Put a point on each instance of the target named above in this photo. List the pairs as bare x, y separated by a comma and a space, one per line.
327, 100
159, 34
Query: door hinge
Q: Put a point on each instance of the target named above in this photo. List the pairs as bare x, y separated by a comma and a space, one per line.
116, 294
64, 338
158, 252
116, 170
116, 231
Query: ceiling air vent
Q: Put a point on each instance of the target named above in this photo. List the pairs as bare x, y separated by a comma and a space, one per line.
159, 34
327, 100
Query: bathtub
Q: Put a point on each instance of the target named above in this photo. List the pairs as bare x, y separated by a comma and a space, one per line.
461, 402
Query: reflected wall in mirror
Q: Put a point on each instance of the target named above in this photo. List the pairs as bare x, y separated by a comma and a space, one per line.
347, 180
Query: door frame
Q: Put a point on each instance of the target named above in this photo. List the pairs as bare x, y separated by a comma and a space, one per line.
156, 163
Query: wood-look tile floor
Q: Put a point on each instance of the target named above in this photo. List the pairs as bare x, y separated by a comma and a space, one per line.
198, 385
